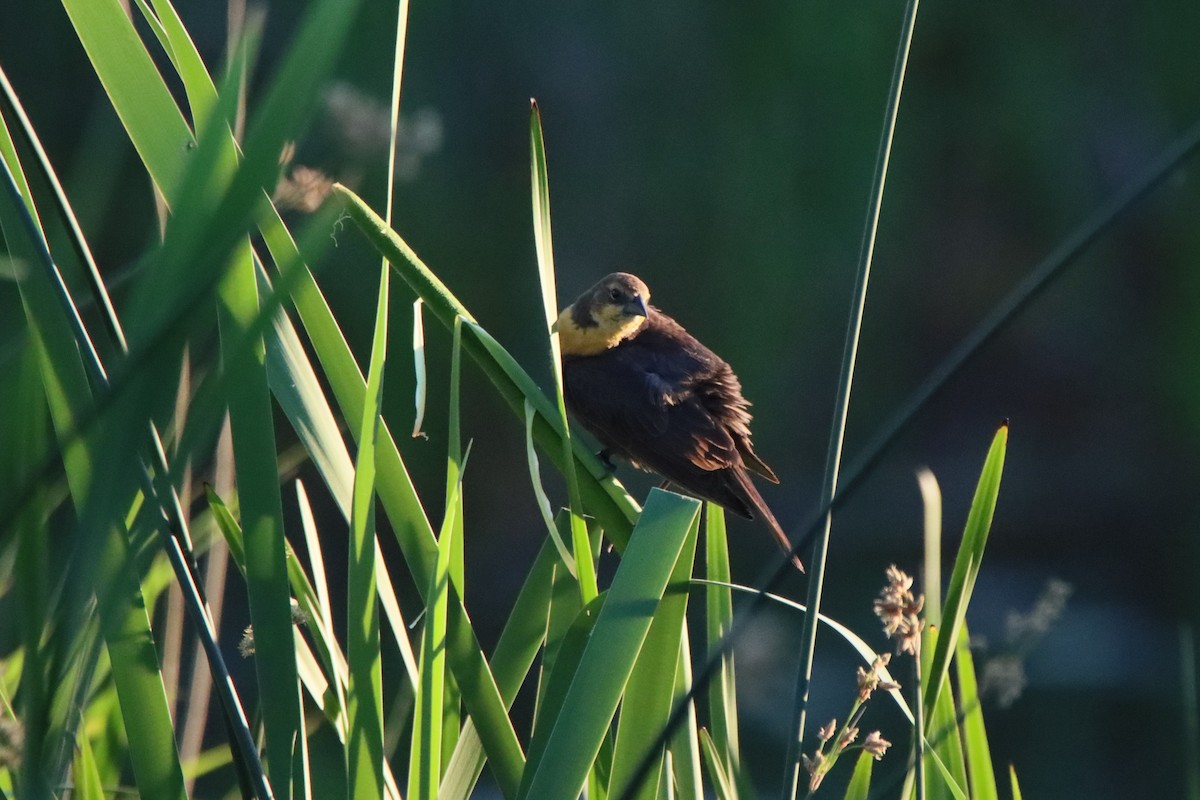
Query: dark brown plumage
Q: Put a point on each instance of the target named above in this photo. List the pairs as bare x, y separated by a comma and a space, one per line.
655, 396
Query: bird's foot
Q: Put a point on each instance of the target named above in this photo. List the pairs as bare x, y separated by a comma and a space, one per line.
605, 457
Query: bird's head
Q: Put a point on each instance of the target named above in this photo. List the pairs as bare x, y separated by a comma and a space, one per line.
609, 312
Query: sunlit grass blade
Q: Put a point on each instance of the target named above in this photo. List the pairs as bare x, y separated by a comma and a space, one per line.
515, 652
650, 691
261, 505
451, 705
572, 742
585, 570
1014, 785
425, 763
543, 502
718, 619
981, 773
323, 616
88, 785
197, 82
684, 752
719, 779
859, 787
943, 746
155, 125
966, 568
364, 695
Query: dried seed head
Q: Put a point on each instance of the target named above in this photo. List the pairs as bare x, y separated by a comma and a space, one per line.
876, 745
900, 611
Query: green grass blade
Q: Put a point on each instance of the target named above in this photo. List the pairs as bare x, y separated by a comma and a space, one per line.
1012, 779
650, 692
451, 701
721, 782
718, 619
981, 773
425, 763
201, 92
859, 787
322, 615
684, 750
254, 452
155, 125
572, 742
364, 695
943, 744
966, 568
585, 570
86, 774
794, 769
543, 501
511, 661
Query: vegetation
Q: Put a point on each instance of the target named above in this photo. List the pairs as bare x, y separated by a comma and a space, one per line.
110, 571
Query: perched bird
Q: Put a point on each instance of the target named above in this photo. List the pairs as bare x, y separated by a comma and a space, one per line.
655, 396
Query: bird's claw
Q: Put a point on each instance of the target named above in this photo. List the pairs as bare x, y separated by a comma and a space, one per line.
605, 457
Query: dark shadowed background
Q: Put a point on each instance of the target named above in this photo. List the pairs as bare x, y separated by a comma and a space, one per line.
724, 153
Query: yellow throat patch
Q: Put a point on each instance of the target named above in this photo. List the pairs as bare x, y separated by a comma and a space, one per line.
612, 326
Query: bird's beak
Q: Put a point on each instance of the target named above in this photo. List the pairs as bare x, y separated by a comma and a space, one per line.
636, 306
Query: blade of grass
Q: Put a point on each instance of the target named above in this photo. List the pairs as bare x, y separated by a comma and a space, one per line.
364, 695
646, 702
451, 701
425, 763
1012, 779
981, 773
254, 453
684, 751
519, 644
794, 769
722, 691
573, 740
543, 501
860, 780
585, 570
966, 567
721, 782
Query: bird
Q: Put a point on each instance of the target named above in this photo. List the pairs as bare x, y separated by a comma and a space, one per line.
656, 397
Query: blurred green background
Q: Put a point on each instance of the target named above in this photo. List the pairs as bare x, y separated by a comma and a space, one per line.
724, 154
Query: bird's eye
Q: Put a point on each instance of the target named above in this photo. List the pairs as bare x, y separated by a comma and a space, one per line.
614, 293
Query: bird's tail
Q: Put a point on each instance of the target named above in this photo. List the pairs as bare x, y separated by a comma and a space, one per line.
764, 512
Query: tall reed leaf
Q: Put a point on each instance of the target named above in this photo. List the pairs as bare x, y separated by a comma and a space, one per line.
572, 742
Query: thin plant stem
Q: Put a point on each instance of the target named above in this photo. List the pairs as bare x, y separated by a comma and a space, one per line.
793, 779
918, 728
